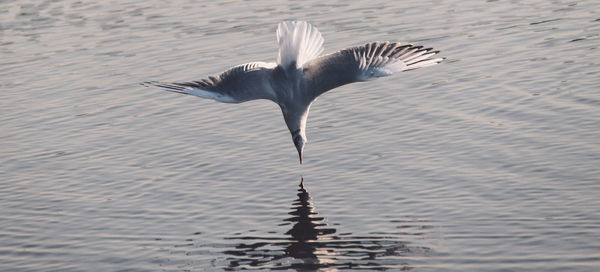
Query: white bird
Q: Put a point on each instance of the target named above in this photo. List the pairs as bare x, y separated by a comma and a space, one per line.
299, 76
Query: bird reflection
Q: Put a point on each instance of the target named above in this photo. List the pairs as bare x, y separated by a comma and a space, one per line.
305, 230
311, 245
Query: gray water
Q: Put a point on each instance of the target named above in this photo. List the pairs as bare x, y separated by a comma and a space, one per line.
489, 161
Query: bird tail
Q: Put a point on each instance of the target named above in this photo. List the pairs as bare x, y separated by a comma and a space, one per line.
299, 42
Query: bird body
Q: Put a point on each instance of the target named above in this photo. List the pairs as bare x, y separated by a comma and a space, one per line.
300, 76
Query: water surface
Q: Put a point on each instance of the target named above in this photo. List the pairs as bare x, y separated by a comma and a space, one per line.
487, 162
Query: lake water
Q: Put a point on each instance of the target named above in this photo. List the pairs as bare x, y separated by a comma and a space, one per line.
489, 161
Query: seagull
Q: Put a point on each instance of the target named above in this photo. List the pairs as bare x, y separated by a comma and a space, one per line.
300, 74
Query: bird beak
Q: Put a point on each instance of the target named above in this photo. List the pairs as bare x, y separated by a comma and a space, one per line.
300, 156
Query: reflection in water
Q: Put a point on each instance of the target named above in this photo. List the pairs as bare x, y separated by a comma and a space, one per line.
311, 245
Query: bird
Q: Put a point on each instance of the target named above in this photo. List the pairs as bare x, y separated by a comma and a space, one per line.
301, 74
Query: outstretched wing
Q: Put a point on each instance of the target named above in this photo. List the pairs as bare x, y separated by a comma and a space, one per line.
361, 63
239, 84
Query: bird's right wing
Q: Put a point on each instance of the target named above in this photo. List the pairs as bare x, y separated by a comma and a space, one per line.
239, 84
363, 63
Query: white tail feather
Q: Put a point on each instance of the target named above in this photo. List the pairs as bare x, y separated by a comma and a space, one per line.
299, 42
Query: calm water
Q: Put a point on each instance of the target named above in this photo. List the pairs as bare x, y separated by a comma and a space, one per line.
488, 162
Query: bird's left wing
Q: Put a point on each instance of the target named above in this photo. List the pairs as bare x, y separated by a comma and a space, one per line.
241, 83
362, 63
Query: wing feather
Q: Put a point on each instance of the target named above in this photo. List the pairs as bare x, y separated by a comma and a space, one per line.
239, 84
361, 63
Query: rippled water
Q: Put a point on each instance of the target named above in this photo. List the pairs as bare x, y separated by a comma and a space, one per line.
487, 162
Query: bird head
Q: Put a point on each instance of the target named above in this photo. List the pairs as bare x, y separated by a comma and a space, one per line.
299, 141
